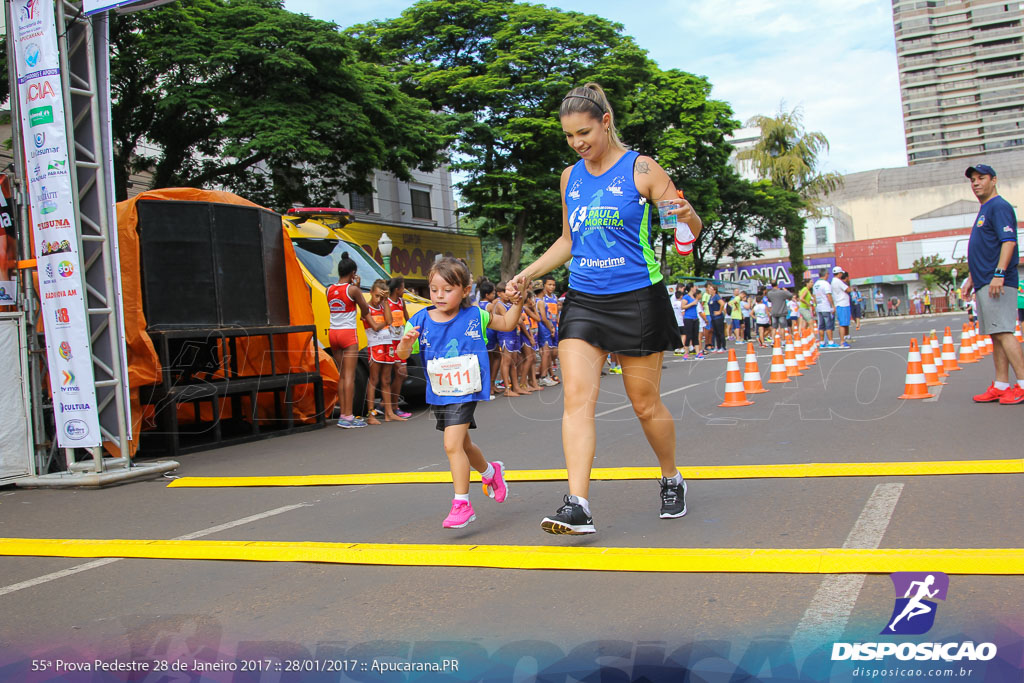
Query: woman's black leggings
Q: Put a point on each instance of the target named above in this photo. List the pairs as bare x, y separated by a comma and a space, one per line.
718, 332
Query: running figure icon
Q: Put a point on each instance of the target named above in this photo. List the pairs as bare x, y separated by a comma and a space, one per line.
915, 607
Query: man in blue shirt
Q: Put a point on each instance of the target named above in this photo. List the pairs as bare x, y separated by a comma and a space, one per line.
992, 257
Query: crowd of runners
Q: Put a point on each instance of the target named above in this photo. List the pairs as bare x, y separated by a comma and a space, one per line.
708, 319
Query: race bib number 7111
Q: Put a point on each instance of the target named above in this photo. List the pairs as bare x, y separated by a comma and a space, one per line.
459, 376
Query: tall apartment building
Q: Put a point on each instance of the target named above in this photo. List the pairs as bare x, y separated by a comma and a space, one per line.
961, 65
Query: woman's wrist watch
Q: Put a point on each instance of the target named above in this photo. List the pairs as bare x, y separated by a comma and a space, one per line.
1000, 273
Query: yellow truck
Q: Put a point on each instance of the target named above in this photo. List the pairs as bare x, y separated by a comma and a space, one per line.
319, 239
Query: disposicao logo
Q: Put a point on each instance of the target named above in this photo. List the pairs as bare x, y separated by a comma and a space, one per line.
64, 350
914, 614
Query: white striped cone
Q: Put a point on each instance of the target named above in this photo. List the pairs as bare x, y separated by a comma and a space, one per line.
735, 394
988, 344
937, 354
1018, 334
791, 367
967, 354
949, 352
800, 344
931, 374
916, 386
778, 370
751, 373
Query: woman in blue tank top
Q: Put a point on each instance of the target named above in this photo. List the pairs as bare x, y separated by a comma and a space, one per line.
616, 301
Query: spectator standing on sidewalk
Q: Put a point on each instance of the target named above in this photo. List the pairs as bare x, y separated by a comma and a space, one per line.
778, 299
894, 305
879, 302
844, 309
992, 257
826, 309
856, 308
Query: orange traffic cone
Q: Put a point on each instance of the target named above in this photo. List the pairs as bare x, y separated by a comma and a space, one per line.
735, 396
931, 375
977, 343
791, 368
967, 354
802, 352
988, 344
778, 371
916, 386
1018, 334
937, 354
751, 373
948, 352
813, 336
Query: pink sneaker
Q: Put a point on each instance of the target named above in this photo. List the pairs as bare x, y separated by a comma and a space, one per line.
460, 516
496, 484
402, 413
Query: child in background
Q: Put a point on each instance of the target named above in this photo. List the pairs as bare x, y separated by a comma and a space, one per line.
763, 322
344, 300
548, 305
530, 344
793, 305
378, 339
485, 297
450, 337
509, 344
399, 314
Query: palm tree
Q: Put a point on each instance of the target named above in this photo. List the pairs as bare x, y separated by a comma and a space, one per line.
788, 156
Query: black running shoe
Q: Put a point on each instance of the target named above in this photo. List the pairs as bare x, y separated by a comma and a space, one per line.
571, 518
673, 499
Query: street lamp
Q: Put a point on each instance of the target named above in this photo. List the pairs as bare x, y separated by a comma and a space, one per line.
956, 286
384, 244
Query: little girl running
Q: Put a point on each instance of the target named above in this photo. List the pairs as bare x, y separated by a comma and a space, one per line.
451, 338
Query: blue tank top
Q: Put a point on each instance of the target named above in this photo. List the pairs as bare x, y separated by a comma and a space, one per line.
463, 334
610, 224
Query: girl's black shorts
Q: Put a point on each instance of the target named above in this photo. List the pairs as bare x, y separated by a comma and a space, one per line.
452, 414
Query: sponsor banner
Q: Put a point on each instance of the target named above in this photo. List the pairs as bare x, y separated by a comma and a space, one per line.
780, 271
48, 167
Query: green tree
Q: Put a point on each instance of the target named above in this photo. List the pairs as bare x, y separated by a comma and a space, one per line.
673, 120
749, 211
499, 69
788, 155
934, 271
244, 95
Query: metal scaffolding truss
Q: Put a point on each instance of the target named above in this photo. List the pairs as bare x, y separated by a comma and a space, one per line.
84, 52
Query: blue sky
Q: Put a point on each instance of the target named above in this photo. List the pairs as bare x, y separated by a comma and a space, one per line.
836, 60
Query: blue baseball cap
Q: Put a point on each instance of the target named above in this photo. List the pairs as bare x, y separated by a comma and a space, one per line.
983, 169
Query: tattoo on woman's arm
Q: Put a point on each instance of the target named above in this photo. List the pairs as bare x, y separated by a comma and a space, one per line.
643, 167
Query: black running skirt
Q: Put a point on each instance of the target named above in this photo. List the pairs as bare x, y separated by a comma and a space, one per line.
636, 323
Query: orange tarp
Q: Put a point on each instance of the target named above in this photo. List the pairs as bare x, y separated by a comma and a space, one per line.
296, 355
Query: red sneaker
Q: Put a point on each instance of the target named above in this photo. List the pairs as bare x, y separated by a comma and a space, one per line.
1012, 396
991, 394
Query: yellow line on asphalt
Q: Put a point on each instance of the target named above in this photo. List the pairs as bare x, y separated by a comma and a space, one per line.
1006, 561
841, 469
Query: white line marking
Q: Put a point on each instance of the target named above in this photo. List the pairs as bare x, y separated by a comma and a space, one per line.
45, 578
937, 391
830, 609
630, 405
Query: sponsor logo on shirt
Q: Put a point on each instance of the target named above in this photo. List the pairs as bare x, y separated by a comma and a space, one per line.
574, 192
602, 263
615, 187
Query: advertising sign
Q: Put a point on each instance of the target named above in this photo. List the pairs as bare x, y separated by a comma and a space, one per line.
94, 6
48, 170
775, 272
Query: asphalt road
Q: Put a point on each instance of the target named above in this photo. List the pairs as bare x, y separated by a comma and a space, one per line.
845, 409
